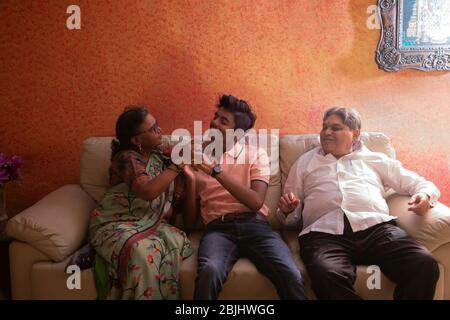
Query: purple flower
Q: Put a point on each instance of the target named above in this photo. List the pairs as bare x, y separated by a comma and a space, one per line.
2, 159
9, 168
15, 163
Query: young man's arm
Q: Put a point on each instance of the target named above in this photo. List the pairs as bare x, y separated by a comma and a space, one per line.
252, 197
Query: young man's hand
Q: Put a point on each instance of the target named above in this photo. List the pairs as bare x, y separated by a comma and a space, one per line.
288, 203
206, 168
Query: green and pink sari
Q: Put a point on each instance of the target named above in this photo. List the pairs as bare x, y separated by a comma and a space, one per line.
138, 252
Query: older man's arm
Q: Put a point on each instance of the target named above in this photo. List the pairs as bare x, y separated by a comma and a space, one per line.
291, 198
404, 181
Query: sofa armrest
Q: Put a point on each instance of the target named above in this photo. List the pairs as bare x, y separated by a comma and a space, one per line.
431, 230
56, 225
22, 257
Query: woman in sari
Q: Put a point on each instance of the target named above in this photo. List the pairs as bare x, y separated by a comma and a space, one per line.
139, 252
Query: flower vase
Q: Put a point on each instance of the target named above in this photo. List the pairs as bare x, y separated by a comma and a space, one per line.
3, 215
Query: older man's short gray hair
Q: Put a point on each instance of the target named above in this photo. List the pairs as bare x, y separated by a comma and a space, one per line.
350, 117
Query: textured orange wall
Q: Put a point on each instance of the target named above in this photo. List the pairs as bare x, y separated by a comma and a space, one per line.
290, 59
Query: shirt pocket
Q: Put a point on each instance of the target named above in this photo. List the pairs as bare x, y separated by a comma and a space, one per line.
364, 172
357, 168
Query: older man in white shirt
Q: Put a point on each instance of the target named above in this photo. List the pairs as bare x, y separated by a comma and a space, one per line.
335, 194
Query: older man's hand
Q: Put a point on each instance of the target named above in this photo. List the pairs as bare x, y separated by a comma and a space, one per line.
420, 203
288, 203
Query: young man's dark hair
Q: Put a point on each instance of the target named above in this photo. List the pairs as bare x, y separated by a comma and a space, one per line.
244, 118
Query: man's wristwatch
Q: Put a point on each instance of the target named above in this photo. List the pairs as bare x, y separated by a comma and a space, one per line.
432, 201
216, 170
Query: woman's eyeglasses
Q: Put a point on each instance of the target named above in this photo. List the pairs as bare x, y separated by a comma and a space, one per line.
153, 129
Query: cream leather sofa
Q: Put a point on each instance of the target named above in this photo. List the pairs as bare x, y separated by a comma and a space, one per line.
48, 233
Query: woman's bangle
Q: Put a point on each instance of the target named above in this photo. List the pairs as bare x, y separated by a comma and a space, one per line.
174, 169
177, 170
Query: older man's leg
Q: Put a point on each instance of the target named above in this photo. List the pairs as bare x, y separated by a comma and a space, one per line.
410, 265
328, 259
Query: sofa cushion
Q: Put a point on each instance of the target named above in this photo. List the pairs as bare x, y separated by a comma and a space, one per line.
272, 147
56, 225
293, 146
272, 198
94, 165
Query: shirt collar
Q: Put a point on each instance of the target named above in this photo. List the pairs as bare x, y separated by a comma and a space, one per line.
236, 150
358, 146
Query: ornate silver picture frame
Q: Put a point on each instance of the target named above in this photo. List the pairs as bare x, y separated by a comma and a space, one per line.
414, 34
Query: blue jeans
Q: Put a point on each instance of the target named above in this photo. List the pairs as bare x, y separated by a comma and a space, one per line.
224, 242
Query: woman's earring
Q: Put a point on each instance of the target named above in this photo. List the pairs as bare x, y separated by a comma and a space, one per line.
139, 147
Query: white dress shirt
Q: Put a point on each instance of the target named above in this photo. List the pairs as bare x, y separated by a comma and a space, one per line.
354, 185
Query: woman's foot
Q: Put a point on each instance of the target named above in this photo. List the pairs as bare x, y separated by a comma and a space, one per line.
83, 258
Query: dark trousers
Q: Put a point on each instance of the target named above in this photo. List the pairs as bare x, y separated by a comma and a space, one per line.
251, 236
331, 261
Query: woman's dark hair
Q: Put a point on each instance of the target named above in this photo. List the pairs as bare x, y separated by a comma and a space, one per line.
244, 118
127, 126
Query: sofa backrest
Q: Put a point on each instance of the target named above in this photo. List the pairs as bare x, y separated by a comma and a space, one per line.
96, 159
96, 153
94, 165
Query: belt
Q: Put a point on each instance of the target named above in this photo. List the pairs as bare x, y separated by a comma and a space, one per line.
240, 216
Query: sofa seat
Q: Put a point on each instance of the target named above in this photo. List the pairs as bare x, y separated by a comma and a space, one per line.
49, 280
35, 277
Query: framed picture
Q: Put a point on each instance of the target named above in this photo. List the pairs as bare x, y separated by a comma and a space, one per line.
414, 34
